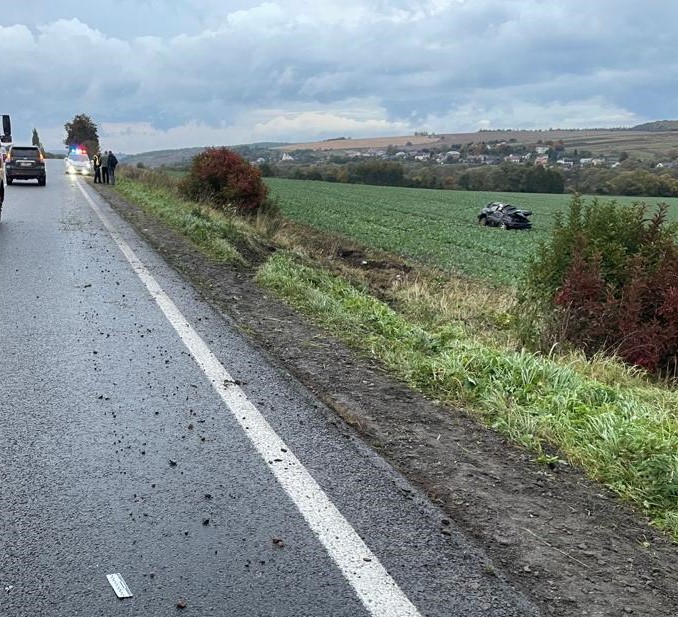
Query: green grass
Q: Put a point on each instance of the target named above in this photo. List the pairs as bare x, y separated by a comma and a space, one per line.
604, 418
215, 234
435, 227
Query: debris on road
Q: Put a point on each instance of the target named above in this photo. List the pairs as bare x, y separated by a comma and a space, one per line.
119, 585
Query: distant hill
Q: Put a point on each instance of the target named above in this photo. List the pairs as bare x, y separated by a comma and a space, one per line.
649, 141
183, 156
158, 158
657, 125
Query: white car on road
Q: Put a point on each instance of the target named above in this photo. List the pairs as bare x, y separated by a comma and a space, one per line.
77, 162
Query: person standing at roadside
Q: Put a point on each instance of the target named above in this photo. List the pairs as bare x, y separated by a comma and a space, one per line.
112, 164
104, 168
96, 162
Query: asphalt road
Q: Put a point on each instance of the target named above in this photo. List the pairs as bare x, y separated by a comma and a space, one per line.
142, 434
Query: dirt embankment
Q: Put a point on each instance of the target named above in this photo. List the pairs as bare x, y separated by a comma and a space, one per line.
564, 541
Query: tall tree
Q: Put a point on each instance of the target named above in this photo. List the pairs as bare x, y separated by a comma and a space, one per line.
81, 131
36, 141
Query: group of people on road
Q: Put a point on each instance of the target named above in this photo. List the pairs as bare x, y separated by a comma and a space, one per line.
104, 167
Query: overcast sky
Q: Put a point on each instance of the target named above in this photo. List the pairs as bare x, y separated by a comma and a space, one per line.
157, 74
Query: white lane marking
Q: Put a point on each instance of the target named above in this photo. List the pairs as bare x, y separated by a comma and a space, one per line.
375, 588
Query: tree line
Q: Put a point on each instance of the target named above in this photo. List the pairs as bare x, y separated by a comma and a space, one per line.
506, 177
628, 179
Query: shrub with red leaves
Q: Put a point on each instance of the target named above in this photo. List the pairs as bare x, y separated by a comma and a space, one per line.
226, 180
583, 294
648, 314
608, 281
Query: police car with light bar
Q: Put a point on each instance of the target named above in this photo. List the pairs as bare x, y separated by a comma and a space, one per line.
77, 162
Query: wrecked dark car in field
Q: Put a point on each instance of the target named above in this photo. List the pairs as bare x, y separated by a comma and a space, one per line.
506, 216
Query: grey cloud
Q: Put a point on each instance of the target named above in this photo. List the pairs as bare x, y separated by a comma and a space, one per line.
223, 63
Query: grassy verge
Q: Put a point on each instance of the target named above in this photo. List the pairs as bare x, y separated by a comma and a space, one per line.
447, 337
216, 234
599, 415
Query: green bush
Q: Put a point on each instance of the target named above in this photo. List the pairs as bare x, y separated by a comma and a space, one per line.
225, 180
606, 281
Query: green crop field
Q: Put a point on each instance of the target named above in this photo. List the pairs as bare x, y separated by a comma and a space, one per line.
432, 226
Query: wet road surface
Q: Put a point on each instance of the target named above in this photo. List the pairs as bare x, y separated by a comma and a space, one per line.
142, 434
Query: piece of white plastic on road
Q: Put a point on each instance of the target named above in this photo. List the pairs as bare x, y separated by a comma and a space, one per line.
119, 585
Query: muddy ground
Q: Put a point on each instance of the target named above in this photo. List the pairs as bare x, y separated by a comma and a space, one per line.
564, 541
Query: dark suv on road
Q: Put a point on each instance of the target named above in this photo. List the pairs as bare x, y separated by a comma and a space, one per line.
25, 163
